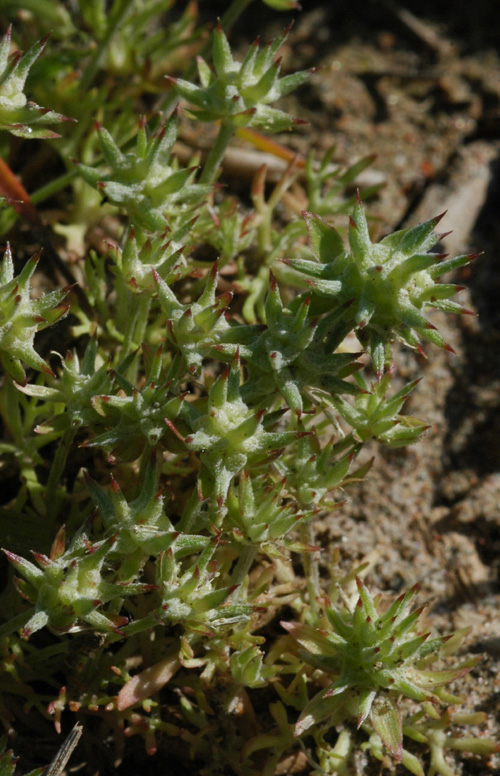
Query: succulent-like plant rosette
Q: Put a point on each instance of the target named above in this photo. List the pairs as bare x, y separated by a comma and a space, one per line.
375, 656
238, 94
141, 254
289, 357
18, 115
195, 328
327, 184
391, 283
73, 389
230, 435
147, 182
259, 514
226, 227
313, 471
71, 586
141, 527
138, 419
374, 415
193, 596
21, 317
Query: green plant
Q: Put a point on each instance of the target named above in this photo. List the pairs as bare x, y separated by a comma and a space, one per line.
22, 317
19, 115
391, 283
375, 657
200, 416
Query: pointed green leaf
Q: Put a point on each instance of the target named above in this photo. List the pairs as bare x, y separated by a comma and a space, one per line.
386, 721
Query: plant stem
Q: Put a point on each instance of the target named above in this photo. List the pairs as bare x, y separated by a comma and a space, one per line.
258, 288
226, 132
142, 318
264, 234
19, 621
233, 13
244, 563
121, 10
57, 468
309, 559
53, 186
137, 321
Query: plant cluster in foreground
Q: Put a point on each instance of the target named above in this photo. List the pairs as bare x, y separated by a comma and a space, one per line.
171, 443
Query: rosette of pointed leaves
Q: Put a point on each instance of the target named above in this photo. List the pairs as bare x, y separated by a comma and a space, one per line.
261, 515
288, 357
17, 114
226, 229
392, 283
326, 184
195, 328
312, 473
239, 93
140, 255
191, 596
374, 416
138, 418
75, 388
146, 182
248, 669
21, 317
70, 586
141, 527
229, 435
374, 656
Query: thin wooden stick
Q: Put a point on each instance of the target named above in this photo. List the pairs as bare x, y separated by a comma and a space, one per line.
59, 762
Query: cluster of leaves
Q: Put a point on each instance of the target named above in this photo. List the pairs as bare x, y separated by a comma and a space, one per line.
177, 455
